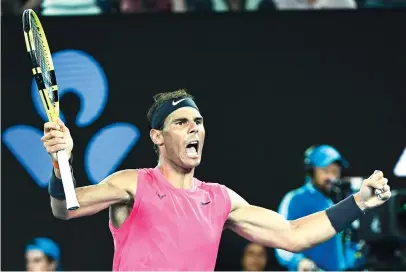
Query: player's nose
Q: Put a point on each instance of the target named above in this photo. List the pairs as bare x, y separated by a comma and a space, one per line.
193, 127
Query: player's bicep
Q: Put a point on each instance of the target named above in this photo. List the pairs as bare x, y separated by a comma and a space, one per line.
236, 202
266, 227
261, 225
120, 187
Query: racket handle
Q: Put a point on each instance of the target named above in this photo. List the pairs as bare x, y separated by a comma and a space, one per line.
67, 181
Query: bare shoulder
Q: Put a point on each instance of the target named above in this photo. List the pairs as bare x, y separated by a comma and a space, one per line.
123, 179
237, 201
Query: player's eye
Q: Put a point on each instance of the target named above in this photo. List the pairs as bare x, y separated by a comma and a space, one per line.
199, 121
180, 122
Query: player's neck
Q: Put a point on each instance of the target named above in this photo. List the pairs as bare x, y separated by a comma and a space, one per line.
179, 177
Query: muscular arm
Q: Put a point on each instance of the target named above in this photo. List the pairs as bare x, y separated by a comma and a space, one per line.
119, 187
271, 229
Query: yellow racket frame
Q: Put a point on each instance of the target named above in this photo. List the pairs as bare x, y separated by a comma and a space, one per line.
31, 20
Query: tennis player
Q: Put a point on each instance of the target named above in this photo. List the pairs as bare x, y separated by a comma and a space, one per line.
163, 218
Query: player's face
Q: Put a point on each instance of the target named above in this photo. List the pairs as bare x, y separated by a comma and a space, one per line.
255, 258
183, 135
37, 261
323, 176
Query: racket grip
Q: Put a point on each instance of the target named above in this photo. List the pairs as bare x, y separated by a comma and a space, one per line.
67, 181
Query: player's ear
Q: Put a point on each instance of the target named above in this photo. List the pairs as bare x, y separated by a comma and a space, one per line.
156, 137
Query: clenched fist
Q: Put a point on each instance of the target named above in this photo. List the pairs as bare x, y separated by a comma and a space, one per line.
366, 198
57, 137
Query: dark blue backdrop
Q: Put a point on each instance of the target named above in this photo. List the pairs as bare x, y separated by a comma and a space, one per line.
268, 85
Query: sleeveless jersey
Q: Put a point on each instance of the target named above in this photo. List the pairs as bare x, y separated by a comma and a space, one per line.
170, 228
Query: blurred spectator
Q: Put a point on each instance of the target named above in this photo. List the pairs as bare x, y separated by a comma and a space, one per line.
255, 258
151, 6
385, 4
323, 166
141, 6
96, 7
42, 254
311, 4
235, 5
199, 5
64, 7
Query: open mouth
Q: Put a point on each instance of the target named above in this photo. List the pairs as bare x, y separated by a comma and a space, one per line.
192, 148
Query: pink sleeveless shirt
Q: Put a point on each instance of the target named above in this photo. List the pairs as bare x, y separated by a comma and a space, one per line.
170, 228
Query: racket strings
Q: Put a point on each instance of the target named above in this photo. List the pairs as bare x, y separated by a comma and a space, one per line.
42, 58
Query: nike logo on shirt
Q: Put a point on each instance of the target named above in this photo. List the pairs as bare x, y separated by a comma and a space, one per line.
160, 196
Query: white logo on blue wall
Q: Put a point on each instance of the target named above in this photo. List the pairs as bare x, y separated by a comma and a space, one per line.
78, 73
400, 167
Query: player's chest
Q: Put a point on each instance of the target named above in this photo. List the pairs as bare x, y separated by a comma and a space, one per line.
181, 214
197, 206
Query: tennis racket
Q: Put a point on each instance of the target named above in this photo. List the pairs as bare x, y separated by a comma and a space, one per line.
44, 74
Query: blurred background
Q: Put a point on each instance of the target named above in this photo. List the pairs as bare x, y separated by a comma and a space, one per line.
282, 84
98, 7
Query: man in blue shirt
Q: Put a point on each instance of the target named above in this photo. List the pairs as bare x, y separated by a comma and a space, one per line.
323, 165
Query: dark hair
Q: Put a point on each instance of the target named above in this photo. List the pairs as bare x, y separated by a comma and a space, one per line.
161, 98
49, 258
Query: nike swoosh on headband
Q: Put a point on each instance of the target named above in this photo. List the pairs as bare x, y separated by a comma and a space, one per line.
177, 102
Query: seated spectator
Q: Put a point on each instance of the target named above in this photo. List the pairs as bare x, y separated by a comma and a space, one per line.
255, 258
42, 254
